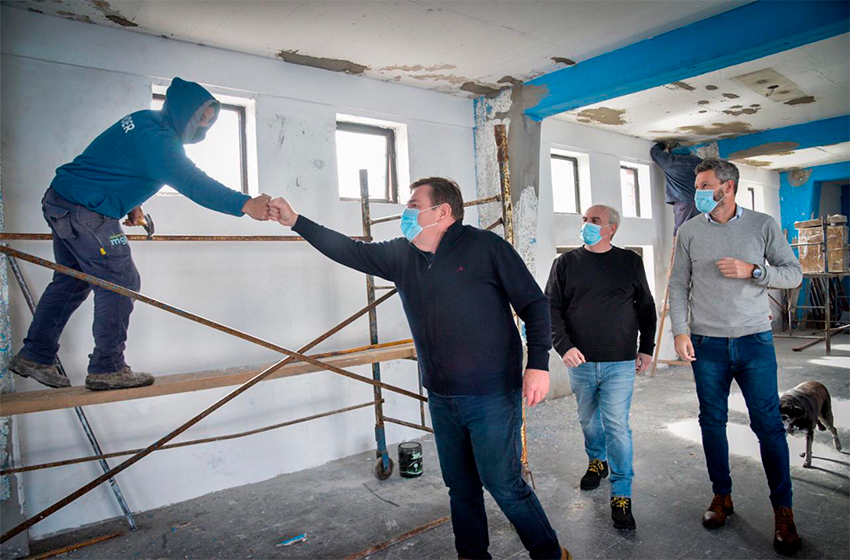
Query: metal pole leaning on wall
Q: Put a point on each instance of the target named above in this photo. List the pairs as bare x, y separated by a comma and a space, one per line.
383, 465
507, 219
292, 356
81, 416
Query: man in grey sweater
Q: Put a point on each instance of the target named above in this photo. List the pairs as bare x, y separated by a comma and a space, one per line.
720, 276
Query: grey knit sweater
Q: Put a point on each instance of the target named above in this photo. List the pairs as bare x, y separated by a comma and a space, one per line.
728, 307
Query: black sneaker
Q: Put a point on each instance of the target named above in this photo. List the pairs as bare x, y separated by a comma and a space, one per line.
46, 374
621, 513
596, 471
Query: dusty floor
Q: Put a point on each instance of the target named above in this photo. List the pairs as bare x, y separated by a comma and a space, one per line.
344, 509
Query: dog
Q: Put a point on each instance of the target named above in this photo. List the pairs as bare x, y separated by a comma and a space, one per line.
802, 408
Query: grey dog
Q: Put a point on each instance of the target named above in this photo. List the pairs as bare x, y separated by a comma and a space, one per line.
805, 406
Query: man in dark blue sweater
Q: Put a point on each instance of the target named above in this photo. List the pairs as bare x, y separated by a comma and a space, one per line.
457, 285
123, 167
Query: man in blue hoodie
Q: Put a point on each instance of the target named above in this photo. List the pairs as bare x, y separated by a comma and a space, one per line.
122, 168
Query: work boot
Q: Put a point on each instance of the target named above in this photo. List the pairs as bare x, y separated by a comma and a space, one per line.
718, 511
596, 471
621, 512
785, 538
124, 378
46, 374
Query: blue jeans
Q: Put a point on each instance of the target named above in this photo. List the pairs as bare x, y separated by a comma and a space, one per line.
94, 244
479, 444
751, 361
604, 395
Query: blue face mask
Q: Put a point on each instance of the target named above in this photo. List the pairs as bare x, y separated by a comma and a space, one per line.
591, 234
705, 202
410, 227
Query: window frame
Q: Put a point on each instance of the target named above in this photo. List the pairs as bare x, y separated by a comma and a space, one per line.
574, 161
636, 173
243, 138
391, 186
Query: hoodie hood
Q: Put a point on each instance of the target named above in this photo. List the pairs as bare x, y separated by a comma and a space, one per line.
185, 103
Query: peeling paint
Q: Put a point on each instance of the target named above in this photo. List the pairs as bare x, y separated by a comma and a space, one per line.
703, 111
510, 80
562, 60
109, 13
703, 102
799, 177
332, 64
479, 89
748, 111
604, 115
318, 164
33, 10
801, 100
525, 226
771, 148
417, 68
683, 85
711, 88
719, 130
753, 162
709, 150
731, 96
451, 78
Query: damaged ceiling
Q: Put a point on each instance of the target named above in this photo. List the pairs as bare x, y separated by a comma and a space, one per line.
462, 47
805, 84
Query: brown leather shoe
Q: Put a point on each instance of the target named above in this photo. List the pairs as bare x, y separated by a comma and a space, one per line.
565, 554
785, 538
718, 511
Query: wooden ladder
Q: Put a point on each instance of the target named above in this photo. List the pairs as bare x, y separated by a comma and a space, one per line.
665, 310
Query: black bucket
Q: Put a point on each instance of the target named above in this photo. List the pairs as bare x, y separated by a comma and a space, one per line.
410, 459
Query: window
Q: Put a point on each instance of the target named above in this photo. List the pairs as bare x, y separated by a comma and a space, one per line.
635, 190
223, 153
364, 146
630, 185
566, 194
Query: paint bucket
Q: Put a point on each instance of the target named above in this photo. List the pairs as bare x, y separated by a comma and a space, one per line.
409, 459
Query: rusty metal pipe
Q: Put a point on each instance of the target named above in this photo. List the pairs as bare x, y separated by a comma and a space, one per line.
477, 202
422, 427
48, 237
226, 437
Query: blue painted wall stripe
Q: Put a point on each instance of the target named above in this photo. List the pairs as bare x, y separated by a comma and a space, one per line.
807, 135
747, 33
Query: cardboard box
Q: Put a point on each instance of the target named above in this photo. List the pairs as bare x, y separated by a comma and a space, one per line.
812, 256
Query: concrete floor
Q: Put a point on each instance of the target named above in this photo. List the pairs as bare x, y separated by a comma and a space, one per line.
344, 509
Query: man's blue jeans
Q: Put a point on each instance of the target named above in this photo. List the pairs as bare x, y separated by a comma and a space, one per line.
95, 244
479, 443
751, 361
604, 395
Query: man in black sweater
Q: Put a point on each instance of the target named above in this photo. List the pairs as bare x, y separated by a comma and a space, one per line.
457, 285
600, 300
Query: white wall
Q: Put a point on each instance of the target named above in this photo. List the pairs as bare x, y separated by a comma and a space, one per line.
63, 83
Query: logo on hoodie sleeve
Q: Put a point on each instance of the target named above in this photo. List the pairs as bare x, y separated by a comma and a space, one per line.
127, 124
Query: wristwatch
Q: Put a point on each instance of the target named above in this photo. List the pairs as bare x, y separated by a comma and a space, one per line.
757, 272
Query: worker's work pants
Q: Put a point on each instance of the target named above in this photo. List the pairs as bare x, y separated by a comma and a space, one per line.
95, 244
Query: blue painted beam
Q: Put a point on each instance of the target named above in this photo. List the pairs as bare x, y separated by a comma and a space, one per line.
740, 35
797, 137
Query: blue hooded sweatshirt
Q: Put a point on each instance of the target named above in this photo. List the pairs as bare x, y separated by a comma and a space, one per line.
130, 161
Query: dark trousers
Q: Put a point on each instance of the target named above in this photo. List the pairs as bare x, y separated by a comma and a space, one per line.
479, 445
682, 212
751, 361
94, 244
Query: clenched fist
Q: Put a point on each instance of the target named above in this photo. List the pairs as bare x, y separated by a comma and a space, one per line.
258, 207
281, 212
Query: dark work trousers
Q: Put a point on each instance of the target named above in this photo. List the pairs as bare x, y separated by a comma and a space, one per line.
682, 212
94, 244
